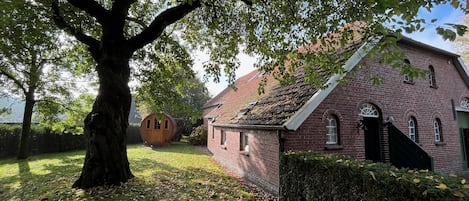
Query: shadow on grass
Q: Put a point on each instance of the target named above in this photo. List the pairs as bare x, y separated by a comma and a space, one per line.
31, 182
154, 180
166, 182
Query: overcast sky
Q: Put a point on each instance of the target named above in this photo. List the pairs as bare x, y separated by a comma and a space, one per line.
444, 14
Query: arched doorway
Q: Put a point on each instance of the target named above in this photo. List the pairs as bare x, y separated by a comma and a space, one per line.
373, 132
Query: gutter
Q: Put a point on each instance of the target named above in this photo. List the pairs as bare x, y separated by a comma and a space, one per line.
246, 126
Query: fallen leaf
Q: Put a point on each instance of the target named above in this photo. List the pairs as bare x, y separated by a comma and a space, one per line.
372, 175
458, 194
442, 186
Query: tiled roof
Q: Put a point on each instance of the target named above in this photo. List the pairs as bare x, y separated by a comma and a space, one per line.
273, 108
283, 101
226, 105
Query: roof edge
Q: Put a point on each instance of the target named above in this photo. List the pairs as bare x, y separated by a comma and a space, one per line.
462, 69
405, 39
248, 126
294, 122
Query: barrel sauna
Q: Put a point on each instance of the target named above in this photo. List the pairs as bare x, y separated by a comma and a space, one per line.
157, 131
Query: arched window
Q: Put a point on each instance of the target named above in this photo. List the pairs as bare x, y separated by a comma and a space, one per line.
412, 123
465, 103
369, 110
437, 130
406, 77
157, 124
431, 76
332, 130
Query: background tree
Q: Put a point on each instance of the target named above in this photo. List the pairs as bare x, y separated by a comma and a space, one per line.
68, 117
461, 43
31, 62
115, 31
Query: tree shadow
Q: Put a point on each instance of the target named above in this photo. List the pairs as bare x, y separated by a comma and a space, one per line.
27, 184
24, 173
166, 182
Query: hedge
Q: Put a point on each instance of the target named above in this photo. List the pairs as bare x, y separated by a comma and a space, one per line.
312, 176
46, 141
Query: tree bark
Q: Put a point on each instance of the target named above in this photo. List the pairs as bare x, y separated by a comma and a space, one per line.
106, 125
23, 147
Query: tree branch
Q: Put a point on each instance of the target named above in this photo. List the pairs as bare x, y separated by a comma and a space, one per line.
137, 21
157, 26
5, 72
91, 7
92, 43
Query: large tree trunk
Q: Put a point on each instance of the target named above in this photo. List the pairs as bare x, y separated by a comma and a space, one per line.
23, 147
106, 160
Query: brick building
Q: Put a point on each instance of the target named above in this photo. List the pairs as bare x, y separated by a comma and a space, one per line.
409, 122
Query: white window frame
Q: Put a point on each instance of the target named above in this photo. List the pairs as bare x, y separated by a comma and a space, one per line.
437, 130
368, 110
332, 130
431, 76
244, 142
412, 129
465, 103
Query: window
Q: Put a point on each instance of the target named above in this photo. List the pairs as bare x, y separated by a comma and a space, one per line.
166, 124
406, 77
244, 142
413, 129
157, 124
148, 123
437, 130
213, 132
369, 110
431, 76
332, 130
223, 138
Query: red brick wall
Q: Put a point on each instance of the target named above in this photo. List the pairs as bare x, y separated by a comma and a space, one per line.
259, 165
394, 98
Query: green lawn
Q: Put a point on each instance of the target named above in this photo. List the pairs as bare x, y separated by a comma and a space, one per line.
177, 172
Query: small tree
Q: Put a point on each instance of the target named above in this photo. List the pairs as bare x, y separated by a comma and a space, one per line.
31, 62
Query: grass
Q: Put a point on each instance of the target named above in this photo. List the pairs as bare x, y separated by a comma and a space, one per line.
176, 172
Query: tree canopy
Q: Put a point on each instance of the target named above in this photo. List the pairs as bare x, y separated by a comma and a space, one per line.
32, 62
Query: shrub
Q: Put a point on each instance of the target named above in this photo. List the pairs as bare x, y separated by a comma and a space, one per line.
312, 176
198, 136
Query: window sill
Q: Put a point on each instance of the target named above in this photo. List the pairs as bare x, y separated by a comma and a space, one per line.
333, 147
223, 147
409, 82
440, 143
245, 153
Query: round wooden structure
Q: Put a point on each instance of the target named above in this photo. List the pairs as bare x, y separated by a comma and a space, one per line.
157, 132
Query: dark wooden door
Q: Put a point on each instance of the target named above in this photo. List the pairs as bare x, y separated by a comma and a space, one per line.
372, 128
